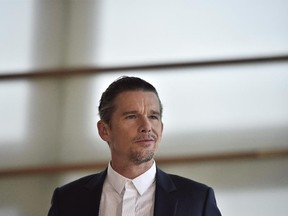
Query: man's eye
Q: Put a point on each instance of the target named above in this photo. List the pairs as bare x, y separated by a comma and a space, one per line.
154, 117
130, 116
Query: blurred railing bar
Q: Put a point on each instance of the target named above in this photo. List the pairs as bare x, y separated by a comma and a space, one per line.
160, 66
61, 168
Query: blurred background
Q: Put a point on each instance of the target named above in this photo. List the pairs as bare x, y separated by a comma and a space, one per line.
221, 69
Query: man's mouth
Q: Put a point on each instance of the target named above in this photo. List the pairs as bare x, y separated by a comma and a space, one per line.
145, 140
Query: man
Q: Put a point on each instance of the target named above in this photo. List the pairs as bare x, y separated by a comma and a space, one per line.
131, 123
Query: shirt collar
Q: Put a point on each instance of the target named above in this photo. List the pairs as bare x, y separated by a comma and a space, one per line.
141, 183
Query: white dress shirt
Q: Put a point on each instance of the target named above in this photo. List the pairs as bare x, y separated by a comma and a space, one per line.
113, 192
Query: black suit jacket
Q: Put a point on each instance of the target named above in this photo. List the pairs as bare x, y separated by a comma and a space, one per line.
174, 196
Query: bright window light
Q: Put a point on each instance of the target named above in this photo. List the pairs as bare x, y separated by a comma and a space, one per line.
13, 111
189, 30
16, 21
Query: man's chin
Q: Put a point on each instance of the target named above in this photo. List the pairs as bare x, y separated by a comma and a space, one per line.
139, 159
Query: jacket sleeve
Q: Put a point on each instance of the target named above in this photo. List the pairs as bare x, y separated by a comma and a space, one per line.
210, 207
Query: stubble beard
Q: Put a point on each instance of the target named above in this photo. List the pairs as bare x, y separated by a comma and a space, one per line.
145, 154
139, 157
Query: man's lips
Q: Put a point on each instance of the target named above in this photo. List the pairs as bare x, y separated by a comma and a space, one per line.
145, 140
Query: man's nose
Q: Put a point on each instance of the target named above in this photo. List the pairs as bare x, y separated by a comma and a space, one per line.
145, 126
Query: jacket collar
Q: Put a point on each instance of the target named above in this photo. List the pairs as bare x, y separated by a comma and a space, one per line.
94, 191
165, 195
97, 181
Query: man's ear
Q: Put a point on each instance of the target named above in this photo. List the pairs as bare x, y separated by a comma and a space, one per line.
103, 130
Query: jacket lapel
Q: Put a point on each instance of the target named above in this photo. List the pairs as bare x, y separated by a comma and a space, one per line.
165, 195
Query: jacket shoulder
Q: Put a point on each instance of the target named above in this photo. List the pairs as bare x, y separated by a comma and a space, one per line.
88, 182
185, 183
173, 181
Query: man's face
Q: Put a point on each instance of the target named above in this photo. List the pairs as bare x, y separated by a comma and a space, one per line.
136, 127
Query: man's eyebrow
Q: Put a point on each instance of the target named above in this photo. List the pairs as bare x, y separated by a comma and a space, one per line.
154, 112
